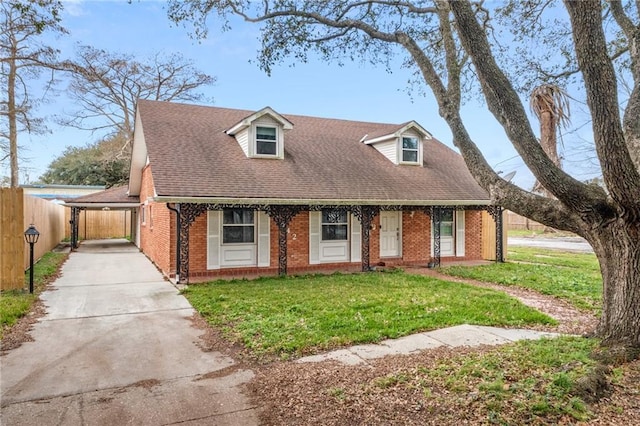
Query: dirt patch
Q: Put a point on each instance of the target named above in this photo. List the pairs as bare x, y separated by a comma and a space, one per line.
330, 393
224, 372
212, 339
146, 384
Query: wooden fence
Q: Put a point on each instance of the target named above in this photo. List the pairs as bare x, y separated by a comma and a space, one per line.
489, 237
18, 211
96, 224
517, 222
11, 239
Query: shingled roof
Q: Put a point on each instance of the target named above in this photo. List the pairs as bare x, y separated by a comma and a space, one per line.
113, 197
190, 155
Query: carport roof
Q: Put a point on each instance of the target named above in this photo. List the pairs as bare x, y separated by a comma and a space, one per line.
112, 198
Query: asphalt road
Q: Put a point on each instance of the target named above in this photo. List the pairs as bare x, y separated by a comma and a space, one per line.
576, 244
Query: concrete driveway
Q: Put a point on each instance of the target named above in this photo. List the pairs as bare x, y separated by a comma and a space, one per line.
117, 347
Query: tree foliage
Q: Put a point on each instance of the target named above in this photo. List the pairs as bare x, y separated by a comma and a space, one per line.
22, 58
500, 49
100, 163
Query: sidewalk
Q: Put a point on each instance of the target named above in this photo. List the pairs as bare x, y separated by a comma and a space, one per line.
117, 346
461, 335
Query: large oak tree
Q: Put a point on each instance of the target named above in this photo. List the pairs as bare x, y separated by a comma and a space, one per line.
454, 44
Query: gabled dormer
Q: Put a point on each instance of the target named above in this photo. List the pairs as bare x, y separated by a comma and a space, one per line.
403, 146
261, 135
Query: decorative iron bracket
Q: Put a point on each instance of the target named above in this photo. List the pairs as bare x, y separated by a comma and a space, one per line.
282, 216
436, 217
365, 215
496, 213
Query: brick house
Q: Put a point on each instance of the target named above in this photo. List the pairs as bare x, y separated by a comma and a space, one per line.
233, 192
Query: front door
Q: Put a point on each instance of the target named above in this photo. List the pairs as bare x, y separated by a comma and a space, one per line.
390, 234
447, 227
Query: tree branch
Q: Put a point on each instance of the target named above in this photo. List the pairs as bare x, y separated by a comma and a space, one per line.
504, 103
619, 171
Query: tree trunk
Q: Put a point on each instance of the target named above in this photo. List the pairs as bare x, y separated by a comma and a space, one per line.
13, 118
548, 131
617, 246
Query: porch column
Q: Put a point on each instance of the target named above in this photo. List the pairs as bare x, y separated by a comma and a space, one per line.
436, 215
365, 214
188, 214
282, 216
75, 219
496, 213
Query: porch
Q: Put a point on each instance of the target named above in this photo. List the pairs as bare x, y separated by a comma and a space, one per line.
186, 213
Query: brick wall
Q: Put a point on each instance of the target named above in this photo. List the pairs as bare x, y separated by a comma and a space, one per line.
156, 239
198, 244
416, 237
297, 242
473, 237
158, 243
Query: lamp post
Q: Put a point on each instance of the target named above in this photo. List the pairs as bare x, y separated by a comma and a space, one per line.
31, 235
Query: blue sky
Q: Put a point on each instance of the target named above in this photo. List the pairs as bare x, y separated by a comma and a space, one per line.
354, 91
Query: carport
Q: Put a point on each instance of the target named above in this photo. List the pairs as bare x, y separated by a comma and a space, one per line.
112, 199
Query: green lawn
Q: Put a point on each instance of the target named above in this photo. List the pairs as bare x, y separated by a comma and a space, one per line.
300, 315
539, 233
574, 277
586, 261
15, 304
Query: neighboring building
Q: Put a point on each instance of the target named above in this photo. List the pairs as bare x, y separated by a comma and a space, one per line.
59, 193
233, 192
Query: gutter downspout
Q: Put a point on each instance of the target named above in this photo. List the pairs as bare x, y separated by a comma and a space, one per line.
178, 225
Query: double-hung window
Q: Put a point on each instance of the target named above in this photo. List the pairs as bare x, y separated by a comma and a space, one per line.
409, 149
238, 226
266, 140
446, 223
334, 225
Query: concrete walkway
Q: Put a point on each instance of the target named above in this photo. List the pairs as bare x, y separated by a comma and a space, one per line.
117, 347
461, 335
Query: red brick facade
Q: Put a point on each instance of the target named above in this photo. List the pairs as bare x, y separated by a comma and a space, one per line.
157, 229
158, 241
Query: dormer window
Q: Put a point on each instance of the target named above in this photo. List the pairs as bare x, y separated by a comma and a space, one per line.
261, 134
266, 140
402, 145
410, 149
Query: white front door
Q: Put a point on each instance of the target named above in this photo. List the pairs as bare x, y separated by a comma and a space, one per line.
447, 247
390, 224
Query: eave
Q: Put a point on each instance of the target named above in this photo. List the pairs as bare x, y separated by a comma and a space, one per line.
246, 122
318, 202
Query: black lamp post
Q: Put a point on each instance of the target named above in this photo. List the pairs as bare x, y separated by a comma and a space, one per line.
31, 235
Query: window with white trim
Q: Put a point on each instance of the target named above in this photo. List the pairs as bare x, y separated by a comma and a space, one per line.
238, 226
410, 149
335, 226
266, 140
446, 223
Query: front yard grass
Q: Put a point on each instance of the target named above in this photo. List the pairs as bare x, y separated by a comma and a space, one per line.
527, 382
300, 315
574, 277
15, 304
